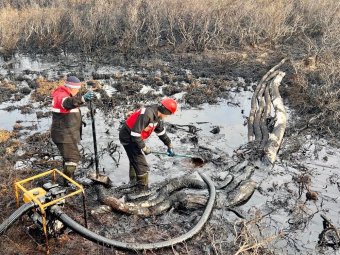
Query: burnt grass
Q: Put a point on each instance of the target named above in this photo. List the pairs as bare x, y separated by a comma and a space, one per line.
211, 77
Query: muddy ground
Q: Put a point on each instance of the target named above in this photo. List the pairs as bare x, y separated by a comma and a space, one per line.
214, 92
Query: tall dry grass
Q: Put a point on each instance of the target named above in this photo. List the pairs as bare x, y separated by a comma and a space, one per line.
185, 25
299, 27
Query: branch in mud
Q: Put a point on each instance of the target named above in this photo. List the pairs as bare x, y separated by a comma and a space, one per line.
191, 128
330, 235
111, 149
248, 238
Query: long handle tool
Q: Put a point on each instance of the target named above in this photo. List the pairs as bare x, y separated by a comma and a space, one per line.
96, 177
196, 160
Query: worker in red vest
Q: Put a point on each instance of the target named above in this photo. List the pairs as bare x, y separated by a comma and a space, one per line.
138, 127
66, 122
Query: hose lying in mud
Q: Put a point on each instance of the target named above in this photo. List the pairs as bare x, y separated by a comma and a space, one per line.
162, 194
247, 173
275, 138
194, 201
115, 204
268, 135
165, 198
16, 215
252, 135
142, 246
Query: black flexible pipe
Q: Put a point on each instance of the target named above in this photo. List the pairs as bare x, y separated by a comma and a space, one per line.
141, 246
14, 216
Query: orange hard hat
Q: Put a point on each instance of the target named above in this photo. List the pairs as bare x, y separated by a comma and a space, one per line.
170, 104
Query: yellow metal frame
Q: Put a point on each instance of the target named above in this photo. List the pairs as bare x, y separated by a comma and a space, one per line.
19, 186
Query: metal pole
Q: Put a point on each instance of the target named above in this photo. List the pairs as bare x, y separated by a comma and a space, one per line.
84, 208
94, 140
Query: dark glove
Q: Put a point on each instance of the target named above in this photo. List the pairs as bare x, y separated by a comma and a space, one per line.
170, 151
146, 150
88, 96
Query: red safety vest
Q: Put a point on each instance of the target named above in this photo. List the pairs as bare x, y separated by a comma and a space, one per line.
59, 95
146, 132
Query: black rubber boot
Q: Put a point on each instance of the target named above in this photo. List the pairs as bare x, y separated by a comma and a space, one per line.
69, 169
142, 188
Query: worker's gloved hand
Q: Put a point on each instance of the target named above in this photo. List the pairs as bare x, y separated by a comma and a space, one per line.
88, 96
170, 151
146, 150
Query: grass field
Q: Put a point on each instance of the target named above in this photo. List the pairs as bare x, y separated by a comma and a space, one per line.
306, 31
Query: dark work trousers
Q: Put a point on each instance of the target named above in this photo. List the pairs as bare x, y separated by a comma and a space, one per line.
136, 158
69, 152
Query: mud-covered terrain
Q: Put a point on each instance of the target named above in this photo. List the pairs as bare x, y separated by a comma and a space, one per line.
282, 214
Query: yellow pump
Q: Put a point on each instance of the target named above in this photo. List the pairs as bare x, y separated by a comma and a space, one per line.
36, 192
38, 195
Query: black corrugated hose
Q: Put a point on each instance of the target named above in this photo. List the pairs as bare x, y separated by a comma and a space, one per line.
16, 215
141, 246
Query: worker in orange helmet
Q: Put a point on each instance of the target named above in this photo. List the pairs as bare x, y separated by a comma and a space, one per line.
138, 127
